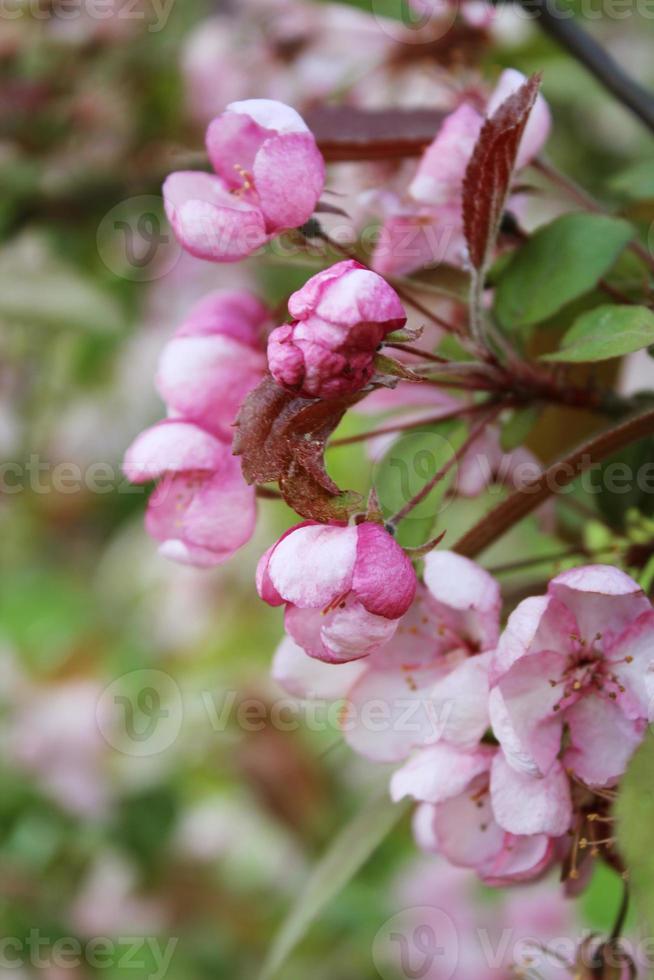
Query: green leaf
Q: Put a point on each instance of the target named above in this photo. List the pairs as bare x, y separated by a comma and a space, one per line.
395, 9
560, 262
37, 288
606, 332
635, 827
347, 854
636, 182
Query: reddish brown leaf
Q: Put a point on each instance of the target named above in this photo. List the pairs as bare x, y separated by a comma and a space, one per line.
281, 437
488, 175
347, 133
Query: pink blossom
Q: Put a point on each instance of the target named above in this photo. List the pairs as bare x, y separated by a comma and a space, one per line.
214, 360
340, 317
579, 659
269, 175
457, 818
202, 510
345, 588
426, 227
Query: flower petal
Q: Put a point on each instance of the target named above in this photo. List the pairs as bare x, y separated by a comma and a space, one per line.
289, 174
602, 740
469, 591
173, 446
525, 804
603, 599
208, 221
314, 564
306, 677
384, 580
439, 772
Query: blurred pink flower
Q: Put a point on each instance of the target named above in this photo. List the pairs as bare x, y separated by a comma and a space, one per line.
425, 228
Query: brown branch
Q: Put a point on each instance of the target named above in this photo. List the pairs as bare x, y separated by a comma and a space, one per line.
558, 475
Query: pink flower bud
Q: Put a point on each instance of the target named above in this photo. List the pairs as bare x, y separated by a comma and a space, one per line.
345, 588
340, 316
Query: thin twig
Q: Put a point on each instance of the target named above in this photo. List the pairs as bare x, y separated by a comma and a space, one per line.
457, 413
475, 432
588, 52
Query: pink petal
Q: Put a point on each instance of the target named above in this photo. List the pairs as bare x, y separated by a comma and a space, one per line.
234, 313
206, 378
602, 740
465, 588
389, 713
289, 174
173, 446
416, 641
439, 178
306, 677
424, 828
348, 632
531, 719
525, 804
439, 772
384, 580
314, 564
460, 700
270, 114
347, 294
539, 123
521, 859
537, 624
208, 221
632, 661
466, 830
233, 141
213, 512
603, 599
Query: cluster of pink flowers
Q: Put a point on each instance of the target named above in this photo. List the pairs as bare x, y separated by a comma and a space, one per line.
510, 741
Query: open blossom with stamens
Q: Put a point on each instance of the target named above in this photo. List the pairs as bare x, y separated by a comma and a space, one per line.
573, 676
269, 175
344, 588
340, 316
426, 227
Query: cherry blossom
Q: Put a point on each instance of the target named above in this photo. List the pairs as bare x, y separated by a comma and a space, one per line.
576, 661
269, 175
340, 317
344, 588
